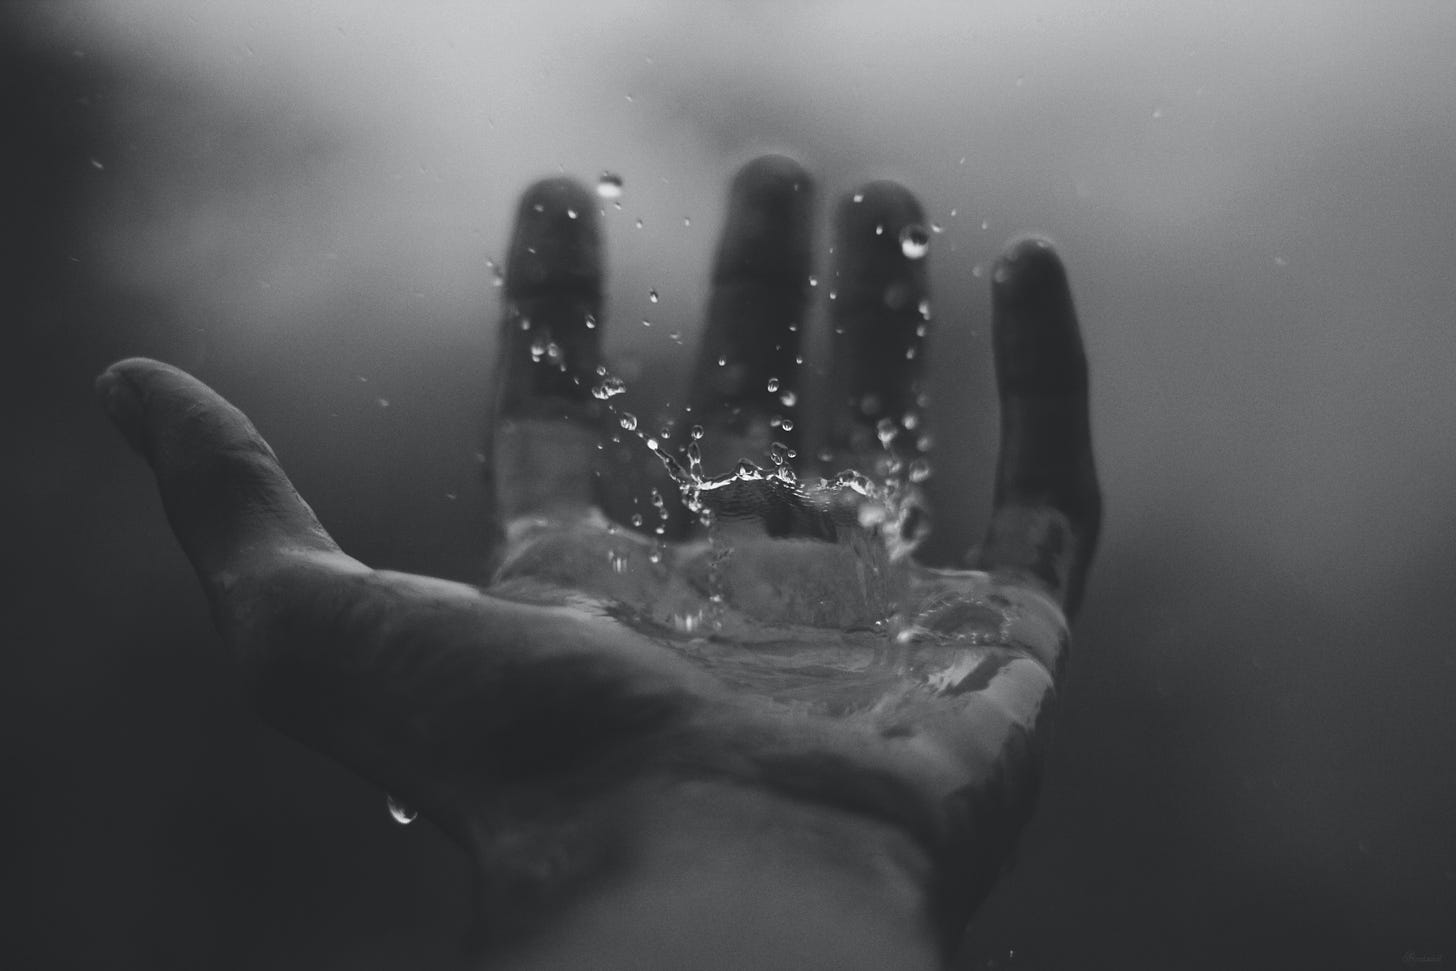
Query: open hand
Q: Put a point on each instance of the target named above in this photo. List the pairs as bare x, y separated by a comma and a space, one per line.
619, 702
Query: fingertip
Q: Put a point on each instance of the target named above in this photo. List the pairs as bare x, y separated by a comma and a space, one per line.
881, 243
773, 175
883, 202
556, 245
1028, 264
122, 401
769, 233
1037, 341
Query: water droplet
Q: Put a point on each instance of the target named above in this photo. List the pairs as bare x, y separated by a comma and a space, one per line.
778, 452
401, 813
696, 432
638, 224
978, 271
1157, 113
538, 349
886, 430
919, 470
539, 207
879, 229
985, 224
859, 197
1000, 275
629, 421
382, 402
936, 228
617, 561
914, 242
652, 296
687, 221
609, 388
722, 362
924, 308
609, 186
571, 214
655, 557
665, 431
773, 384
813, 280
591, 322
646, 322
789, 399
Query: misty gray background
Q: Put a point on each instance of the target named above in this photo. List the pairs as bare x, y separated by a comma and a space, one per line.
1256, 205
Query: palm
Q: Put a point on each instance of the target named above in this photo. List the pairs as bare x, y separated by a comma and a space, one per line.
784, 649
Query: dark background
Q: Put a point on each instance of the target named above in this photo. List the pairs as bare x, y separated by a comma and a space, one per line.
1253, 766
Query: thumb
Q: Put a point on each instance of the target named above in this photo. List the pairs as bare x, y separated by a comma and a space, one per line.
229, 503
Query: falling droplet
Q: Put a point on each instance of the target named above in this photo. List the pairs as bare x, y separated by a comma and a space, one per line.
914, 242
687, 221
859, 197
773, 384
886, 431
924, 308
571, 214
646, 322
637, 519
778, 452
813, 280
652, 296
401, 813
591, 322
919, 470
1157, 113
629, 421
789, 399
638, 224
382, 402
609, 186
696, 433
722, 362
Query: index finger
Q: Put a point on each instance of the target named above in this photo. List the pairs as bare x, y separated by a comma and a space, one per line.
1047, 508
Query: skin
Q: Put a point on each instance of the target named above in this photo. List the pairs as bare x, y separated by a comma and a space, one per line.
624, 803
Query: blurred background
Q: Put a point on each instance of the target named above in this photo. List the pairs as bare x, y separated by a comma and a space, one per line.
301, 203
